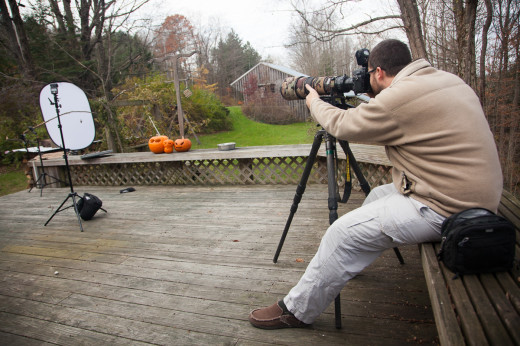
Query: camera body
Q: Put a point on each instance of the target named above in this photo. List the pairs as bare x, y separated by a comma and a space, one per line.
293, 88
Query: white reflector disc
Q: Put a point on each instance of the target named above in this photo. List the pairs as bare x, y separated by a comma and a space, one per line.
75, 116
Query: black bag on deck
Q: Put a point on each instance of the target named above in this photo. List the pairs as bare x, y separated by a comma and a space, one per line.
88, 205
477, 241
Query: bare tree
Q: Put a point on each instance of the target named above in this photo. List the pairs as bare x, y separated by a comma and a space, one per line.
512, 170
465, 12
483, 51
207, 38
87, 30
332, 11
412, 27
318, 57
13, 36
502, 108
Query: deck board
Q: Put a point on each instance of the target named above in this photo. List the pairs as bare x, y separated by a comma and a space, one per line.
185, 265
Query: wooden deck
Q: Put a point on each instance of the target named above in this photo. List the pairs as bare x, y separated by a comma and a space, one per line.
180, 265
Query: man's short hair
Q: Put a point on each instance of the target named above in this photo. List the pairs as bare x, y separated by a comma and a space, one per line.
391, 56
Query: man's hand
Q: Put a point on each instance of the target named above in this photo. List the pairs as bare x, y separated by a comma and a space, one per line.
313, 94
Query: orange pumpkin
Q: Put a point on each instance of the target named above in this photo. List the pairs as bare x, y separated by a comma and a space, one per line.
182, 144
168, 146
156, 144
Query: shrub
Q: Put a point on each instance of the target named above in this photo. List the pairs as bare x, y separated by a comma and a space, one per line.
19, 110
204, 111
268, 108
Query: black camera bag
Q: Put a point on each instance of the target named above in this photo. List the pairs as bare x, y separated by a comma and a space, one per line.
88, 205
477, 241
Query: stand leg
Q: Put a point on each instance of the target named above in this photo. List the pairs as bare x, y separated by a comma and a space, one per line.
72, 195
43, 183
39, 183
43, 176
301, 188
330, 145
398, 254
337, 311
355, 167
58, 210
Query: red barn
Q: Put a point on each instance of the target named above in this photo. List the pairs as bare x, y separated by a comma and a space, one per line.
259, 88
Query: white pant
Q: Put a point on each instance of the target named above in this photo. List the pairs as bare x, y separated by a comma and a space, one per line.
387, 219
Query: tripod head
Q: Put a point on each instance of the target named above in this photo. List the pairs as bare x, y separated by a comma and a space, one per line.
340, 99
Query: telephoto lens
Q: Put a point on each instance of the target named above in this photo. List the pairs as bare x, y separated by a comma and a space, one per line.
293, 88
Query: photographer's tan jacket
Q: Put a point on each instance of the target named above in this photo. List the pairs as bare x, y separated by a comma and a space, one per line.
435, 134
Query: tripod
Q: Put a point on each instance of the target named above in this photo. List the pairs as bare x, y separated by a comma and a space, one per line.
331, 155
72, 194
41, 182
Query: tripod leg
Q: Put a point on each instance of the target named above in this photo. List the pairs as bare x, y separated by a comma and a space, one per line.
76, 210
38, 183
43, 183
331, 178
355, 167
72, 195
337, 311
300, 189
333, 205
399, 256
58, 210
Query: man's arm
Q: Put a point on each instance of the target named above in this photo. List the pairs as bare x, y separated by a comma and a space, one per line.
366, 123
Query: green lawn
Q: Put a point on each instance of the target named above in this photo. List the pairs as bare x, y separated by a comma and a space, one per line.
247, 133
13, 181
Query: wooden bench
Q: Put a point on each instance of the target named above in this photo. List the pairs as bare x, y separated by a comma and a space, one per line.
476, 309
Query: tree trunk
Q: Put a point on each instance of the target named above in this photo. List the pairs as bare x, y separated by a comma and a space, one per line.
6, 24
505, 33
16, 37
111, 143
412, 26
513, 166
485, 30
62, 27
465, 18
69, 18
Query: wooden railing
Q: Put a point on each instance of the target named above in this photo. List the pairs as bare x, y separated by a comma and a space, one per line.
247, 165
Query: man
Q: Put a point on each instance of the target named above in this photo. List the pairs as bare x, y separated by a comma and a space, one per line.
444, 161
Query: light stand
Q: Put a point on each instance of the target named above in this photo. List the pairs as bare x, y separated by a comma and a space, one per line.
41, 182
72, 194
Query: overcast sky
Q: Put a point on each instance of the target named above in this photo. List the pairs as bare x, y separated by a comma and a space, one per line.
264, 23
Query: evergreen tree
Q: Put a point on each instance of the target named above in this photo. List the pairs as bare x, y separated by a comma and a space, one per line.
231, 59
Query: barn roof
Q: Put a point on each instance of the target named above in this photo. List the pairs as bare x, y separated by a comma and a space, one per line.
283, 69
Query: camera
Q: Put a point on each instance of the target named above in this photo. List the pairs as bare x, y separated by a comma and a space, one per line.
293, 88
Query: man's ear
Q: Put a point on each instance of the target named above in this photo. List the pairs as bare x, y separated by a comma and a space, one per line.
383, 78
380, 73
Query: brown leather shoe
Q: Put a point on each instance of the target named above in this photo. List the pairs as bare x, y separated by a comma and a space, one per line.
275, 316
